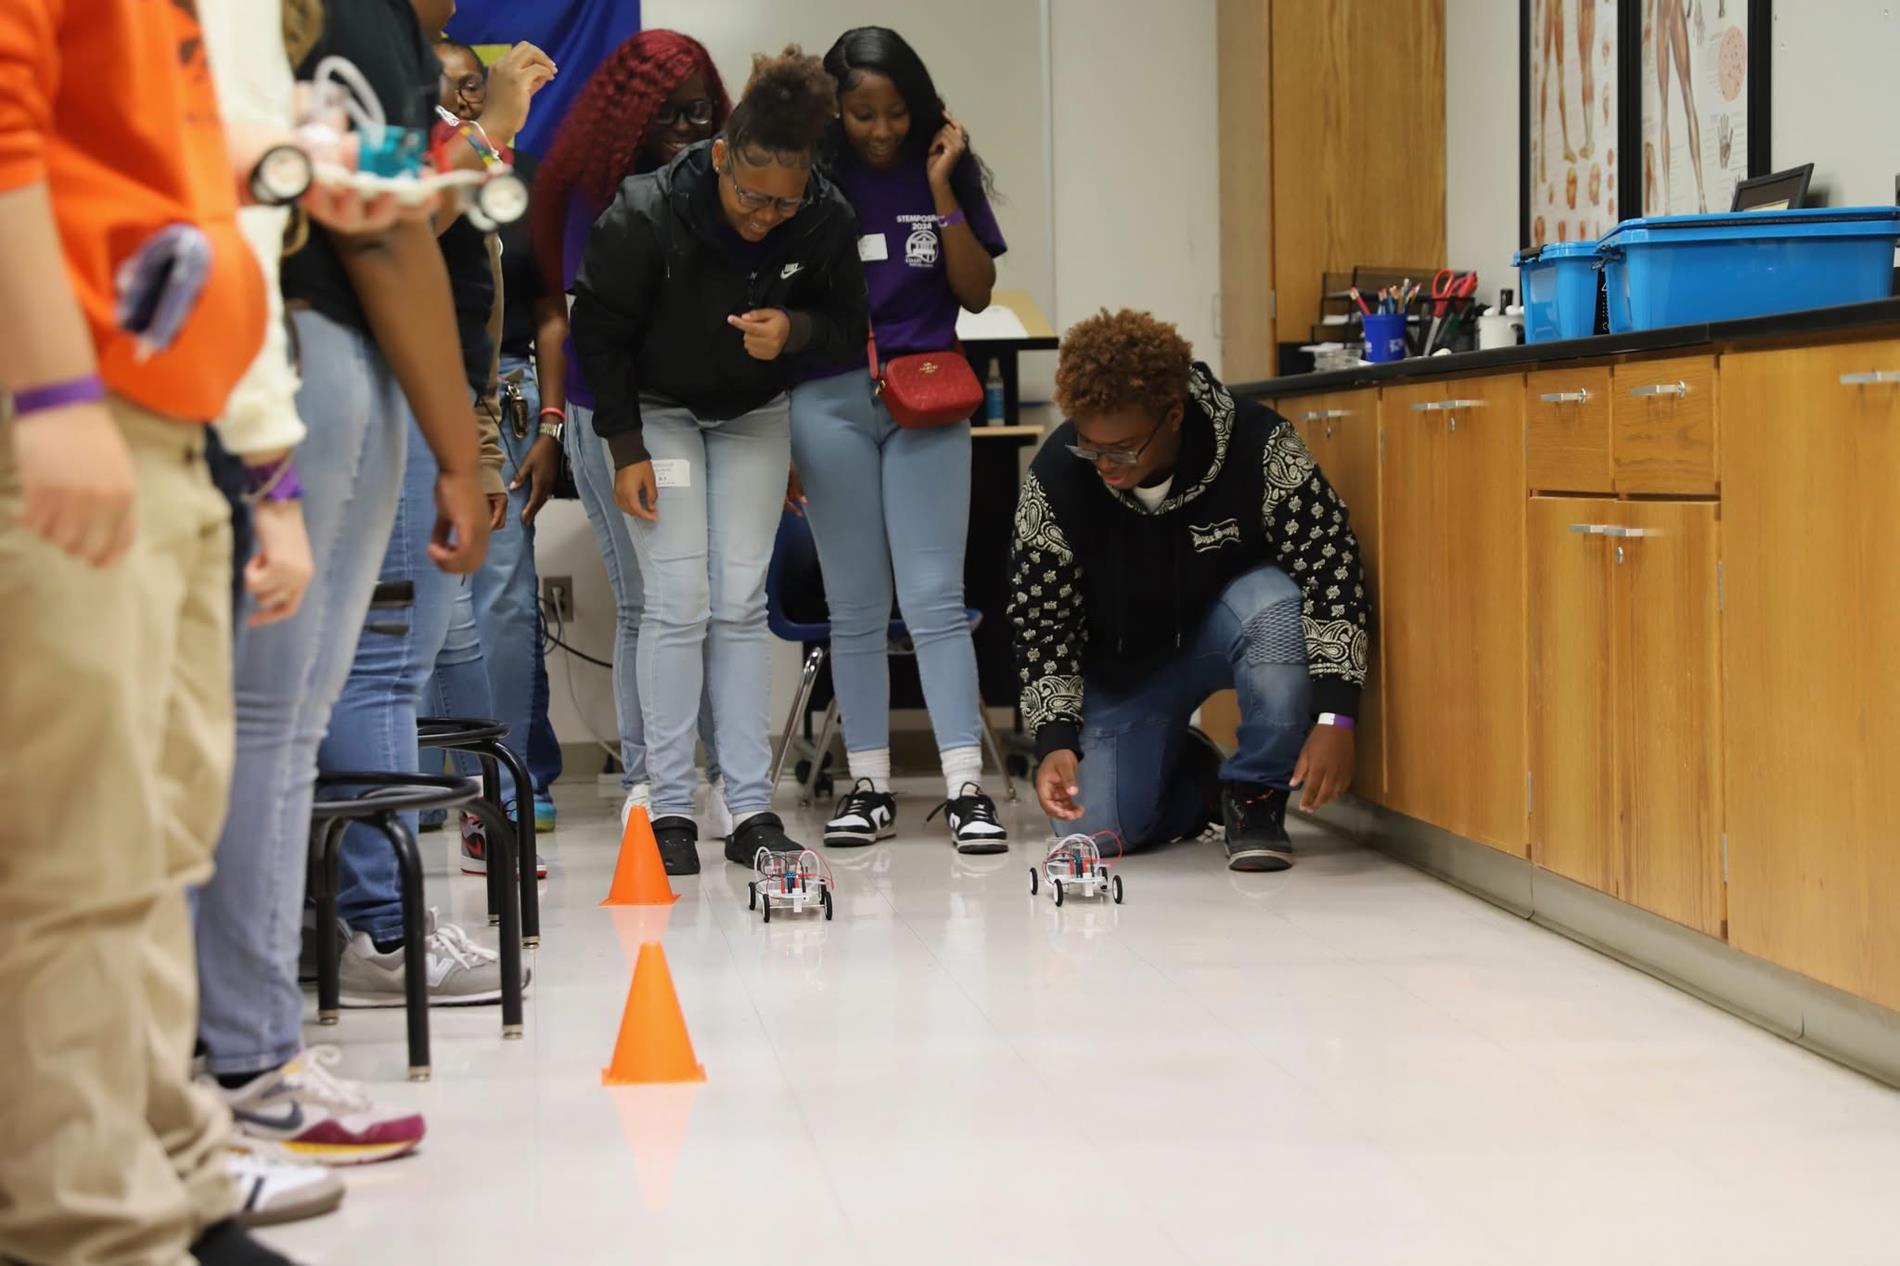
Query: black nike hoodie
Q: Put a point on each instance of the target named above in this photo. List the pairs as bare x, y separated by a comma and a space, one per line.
1104, 589
662, 272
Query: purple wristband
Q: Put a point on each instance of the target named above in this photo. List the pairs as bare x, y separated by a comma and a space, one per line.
56, 395
1336, 719
952, 220
275, 482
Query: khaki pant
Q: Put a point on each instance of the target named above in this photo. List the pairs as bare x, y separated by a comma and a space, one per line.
115, 762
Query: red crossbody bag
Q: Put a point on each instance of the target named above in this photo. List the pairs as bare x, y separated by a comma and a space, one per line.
926, 389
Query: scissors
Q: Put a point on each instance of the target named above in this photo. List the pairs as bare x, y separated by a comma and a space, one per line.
1447, 288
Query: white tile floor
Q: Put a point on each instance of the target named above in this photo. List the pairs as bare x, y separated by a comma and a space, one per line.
1348, 1063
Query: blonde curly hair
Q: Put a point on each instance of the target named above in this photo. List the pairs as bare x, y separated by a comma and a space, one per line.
1114, 360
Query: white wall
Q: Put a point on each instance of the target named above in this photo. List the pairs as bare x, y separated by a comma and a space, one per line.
1831, 103
1481, 140
1122, 212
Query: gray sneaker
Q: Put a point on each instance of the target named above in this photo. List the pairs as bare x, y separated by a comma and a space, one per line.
461, 973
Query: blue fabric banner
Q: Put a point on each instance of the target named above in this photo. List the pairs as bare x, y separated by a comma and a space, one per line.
576, 34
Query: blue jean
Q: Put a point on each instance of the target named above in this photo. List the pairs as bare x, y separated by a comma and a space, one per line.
374, 724
1251, 640
544, 748
882, 495
722, 488
288, 677
593, 468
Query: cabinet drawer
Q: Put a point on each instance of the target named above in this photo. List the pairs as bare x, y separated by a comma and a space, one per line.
1567, 430
1662, 426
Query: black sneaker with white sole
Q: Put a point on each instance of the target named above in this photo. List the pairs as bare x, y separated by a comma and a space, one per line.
760, 831
678, 839
1255, 816
974, 827
864, 816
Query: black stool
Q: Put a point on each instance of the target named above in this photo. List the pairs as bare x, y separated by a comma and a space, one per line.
378, 801
483, 740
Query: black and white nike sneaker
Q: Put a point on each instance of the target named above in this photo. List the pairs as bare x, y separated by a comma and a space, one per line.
864, 816
973, 824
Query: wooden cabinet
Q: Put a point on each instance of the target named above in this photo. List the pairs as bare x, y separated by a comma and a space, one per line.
1810, 468
1572, 713
1624, 706
1452, 571
1662, 426
1567, 430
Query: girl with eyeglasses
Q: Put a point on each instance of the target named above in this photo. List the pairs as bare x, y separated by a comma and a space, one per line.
703, 292
881, 494
656, 95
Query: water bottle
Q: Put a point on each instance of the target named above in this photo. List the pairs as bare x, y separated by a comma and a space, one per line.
993, 396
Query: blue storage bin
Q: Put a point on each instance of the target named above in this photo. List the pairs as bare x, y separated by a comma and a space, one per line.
1688, 269
1559, 280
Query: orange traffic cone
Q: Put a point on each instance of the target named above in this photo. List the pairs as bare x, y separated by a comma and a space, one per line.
639, 875
653, 1045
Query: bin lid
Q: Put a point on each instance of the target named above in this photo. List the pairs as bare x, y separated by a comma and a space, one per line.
1879, 221
1555, 250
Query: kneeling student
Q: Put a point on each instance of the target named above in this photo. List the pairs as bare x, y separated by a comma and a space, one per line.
1173, 541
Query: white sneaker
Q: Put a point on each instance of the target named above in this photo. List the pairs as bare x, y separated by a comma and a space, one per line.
273, 1188
640, 794
460, 973
719, 824
314, 1115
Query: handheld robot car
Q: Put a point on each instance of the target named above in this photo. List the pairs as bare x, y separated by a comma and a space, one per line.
406, 162
793, 882
1075, 866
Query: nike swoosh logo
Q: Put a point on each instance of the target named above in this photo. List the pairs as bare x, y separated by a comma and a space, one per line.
291, 1120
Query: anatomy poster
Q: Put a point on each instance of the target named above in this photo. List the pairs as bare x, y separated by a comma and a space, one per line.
1695, 104
1572, 119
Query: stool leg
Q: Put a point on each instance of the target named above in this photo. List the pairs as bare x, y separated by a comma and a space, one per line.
498, 878
826, 729
502, 846
329, 987
807, 682
524, 844
415, 953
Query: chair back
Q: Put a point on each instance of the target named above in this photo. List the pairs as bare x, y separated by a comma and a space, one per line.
795, 585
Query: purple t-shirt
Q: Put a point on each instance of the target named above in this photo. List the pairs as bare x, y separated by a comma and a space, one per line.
912, 308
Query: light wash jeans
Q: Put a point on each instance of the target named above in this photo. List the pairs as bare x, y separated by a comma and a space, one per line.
1251, 641
593, 468
250, 915
374, 724
889, 501
704, 562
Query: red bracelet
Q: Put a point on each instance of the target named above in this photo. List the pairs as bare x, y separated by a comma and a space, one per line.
559, 413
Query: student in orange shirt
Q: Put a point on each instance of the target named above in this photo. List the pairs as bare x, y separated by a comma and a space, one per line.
129, 307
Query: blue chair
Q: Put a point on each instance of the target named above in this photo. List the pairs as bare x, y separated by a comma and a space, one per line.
796, 612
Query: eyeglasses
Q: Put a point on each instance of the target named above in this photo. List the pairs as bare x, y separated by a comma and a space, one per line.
697, 112
472, 86
1117, 456
753, 200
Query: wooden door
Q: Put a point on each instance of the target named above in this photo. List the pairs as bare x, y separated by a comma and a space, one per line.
1811, 480
1412, 637
1482, 533
1668, 707
1663, 426
1358, 143
1349, 456
1572, 827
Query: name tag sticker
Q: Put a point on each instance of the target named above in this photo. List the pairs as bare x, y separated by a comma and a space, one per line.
872, 247
674, 472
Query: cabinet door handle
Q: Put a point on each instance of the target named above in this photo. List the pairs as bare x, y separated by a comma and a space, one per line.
1446, 406
1591, 529
1321, 415
1678, 389
1624, 533
1579, 396
1870, 377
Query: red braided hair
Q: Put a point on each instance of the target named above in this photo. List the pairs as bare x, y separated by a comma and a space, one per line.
600, 142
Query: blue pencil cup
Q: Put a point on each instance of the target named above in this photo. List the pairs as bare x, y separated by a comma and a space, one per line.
1385, 336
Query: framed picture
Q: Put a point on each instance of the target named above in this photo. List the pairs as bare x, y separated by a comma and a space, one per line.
1699, 119
1569, 107
1637, 107
1779, 191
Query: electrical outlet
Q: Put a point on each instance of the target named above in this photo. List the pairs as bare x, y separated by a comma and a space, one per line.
558, 593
